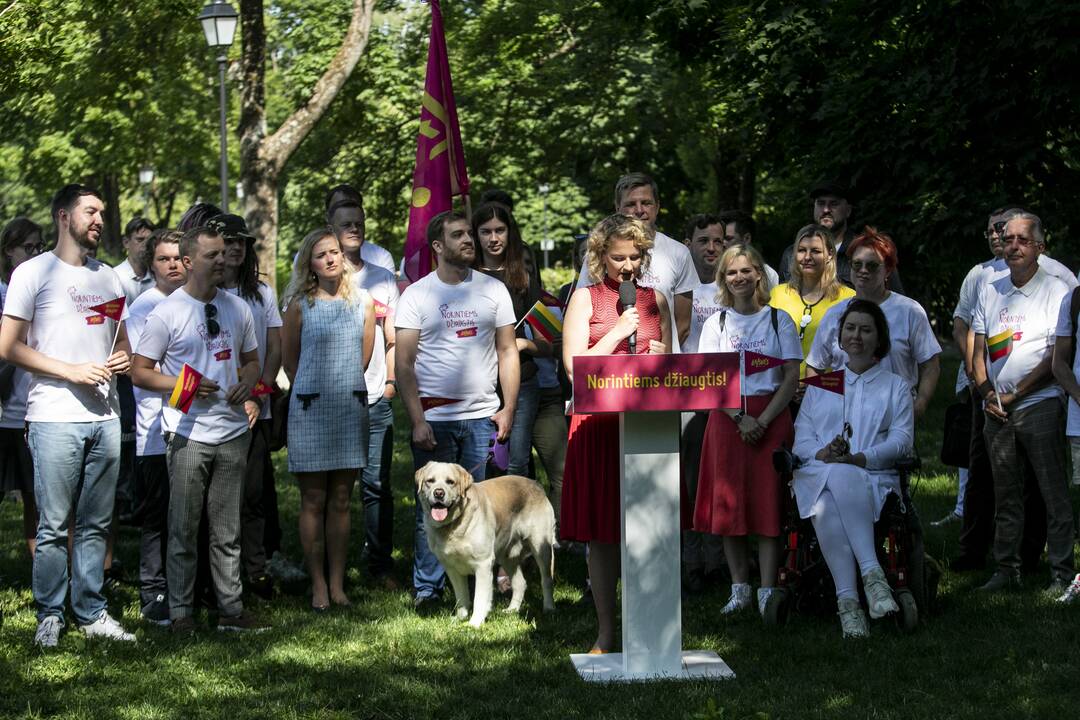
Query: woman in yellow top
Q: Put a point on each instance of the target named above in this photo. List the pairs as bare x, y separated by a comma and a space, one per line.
814, 286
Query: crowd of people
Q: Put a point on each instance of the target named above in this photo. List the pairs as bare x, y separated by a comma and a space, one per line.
163, 409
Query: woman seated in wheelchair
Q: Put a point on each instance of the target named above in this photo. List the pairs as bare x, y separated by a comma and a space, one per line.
848, 444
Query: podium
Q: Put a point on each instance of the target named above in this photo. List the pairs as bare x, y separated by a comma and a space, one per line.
649, 392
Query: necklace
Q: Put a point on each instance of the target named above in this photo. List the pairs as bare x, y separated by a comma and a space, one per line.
808, 312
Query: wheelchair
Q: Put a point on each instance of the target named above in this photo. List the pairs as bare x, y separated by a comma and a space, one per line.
804, 584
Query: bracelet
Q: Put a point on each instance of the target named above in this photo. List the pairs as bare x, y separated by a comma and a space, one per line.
391, 382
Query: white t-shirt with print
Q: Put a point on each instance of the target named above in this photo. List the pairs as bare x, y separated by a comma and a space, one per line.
911, 337
175, 333
456, 359
1031, 313
671, 272
704, 305
740, 333
382, 287
148, 435
54, 297
266, 315
13, 416
1064, 329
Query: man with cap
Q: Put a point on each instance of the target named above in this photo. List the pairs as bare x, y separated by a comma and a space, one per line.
832, 209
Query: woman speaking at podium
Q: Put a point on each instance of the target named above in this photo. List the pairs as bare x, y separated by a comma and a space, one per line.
598, 322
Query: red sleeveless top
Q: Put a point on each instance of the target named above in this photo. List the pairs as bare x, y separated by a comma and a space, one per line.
606, 310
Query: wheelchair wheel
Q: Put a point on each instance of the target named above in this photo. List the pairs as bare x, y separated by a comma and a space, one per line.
778, 607
908, 617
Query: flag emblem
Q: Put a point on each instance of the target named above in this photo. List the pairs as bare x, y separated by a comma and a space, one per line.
756, 363
467, 332
831, 381
1000, 345
187, 384
113, 309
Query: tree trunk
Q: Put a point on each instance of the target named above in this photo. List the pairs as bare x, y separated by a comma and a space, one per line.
263, 157
109, 187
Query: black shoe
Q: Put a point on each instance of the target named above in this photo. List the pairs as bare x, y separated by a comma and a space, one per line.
695, 581
157, 611
261, 587
426, 604
114, 576
1000, 581
966, 563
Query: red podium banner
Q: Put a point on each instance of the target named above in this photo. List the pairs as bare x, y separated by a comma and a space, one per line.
634, 383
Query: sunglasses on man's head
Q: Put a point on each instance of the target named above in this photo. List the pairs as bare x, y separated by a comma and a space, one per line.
212, 325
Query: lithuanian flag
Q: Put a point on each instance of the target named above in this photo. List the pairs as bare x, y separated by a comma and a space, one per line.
1000, 345
187, 384
545, 317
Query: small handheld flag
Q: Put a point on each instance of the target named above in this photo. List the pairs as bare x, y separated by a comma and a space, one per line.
757, 363
545, 320
1000, 345
260, 389
831, 381
428, 403
187, 384
112, 309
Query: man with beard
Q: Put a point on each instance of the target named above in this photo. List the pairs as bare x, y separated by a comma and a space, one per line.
832, 209
51, 331
455, 339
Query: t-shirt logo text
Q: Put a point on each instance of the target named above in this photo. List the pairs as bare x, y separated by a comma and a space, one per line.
467, 332
223, 355
459, 319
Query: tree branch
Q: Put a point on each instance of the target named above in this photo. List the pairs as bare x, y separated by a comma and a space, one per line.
277, 148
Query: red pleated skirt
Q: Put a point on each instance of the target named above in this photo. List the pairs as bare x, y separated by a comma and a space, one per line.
590, 495
738, 490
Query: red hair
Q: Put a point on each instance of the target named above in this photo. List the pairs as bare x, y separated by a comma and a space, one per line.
880, 243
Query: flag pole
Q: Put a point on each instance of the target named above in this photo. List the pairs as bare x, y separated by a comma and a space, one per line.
116, 336
993, 382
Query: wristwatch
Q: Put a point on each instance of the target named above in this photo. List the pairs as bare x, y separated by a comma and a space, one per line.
737, 417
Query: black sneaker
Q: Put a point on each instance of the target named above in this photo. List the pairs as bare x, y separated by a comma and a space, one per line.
183, 626
157, 611
261, 587
426, 604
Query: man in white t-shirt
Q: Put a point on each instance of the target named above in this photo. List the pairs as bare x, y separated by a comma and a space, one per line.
213, 332
151, 472
133, 272
455, 340
739, 229
381, 382
74, 353
345, 214
671, 269
1015, 322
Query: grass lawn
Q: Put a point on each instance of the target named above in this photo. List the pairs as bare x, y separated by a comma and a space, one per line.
1007, 656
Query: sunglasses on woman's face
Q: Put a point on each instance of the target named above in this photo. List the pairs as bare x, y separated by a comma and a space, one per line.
212, 325
871, 267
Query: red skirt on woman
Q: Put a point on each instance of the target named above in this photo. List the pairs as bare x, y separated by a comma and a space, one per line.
738, 489
590, 498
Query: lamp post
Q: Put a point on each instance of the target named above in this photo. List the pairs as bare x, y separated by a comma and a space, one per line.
146, 179
219, 20
545, 243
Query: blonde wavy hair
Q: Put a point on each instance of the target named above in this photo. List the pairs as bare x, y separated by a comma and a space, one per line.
304, 283
617, 227
830, 282
761, 294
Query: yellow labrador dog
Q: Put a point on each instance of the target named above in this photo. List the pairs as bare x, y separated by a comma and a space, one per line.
472, 527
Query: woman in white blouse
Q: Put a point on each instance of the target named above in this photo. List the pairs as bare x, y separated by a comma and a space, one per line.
738, 492
849, 444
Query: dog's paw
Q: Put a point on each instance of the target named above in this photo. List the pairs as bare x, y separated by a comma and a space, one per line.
462, 613
511, 610
476, 621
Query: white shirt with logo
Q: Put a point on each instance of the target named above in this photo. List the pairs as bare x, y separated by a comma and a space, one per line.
1031, 314
382, 287
670, 271
911, 337
266, 315
55, 298
456, 362
704, 304
149, 439
175, 333
754, 333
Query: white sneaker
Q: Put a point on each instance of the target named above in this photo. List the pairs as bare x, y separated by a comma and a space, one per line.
763, 595
853, 621
106, 627
1072, 592
48, 632
878, 594
739, 600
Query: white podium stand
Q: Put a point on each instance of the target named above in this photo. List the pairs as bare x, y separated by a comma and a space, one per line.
651, 580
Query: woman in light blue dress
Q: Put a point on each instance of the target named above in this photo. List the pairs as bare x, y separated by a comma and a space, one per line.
327, 340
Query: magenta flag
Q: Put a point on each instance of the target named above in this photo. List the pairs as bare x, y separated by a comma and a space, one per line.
440, 161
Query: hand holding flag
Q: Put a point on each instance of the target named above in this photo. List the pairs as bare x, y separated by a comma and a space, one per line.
111, 309
186, 388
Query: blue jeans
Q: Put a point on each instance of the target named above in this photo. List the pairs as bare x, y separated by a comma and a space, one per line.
75, 467
521, 432
464, 442
375, 485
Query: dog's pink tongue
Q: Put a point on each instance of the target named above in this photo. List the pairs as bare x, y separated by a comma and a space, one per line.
439, 514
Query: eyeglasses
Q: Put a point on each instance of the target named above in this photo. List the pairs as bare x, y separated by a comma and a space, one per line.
996, 229
871, 267
212, 325
807, 318
1019, 240
32, 248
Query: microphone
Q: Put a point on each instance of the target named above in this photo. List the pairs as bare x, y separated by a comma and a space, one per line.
628, 298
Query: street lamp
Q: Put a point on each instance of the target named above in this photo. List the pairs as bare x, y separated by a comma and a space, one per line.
219, 25
546, 244
146, 179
